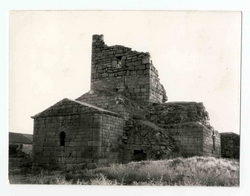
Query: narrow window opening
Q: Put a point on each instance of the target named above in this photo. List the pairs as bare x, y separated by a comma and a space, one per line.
213, 137
62, 136
119, 61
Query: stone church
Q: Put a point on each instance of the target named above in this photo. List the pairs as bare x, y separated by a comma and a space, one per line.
124, 117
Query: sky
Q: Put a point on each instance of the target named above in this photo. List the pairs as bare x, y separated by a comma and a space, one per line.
197, 54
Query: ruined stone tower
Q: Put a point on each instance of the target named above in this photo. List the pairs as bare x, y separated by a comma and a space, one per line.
121, 70
122, 118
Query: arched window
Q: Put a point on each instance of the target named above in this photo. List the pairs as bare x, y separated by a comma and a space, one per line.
62, 136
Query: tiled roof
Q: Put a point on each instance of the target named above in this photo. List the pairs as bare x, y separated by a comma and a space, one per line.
20, 138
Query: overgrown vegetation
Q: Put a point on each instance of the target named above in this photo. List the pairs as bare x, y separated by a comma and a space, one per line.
195, 171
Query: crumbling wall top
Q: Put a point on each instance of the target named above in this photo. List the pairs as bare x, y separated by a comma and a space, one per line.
122, 70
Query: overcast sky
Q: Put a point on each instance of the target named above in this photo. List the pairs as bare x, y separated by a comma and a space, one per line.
197, 55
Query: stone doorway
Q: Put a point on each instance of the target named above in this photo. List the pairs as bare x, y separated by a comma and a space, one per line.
139, 155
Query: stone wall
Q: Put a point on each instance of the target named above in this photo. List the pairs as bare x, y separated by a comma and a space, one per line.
85, 132
189, 138
188, 124
145, 140
230, 145
113, 102
194, 139
211, 142
177, 113
112, 130
119, 69
79, 130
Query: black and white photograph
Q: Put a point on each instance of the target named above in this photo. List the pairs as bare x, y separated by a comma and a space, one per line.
132, 98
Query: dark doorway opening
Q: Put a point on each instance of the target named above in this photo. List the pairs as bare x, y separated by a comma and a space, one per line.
139, 155
62, 136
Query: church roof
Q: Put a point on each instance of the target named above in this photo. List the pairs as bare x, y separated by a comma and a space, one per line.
67, 106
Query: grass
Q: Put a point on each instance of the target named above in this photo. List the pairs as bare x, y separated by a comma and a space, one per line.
194, 171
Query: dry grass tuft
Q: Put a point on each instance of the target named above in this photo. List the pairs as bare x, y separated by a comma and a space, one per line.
194, 171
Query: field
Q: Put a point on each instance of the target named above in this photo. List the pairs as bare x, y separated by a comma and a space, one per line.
195, 171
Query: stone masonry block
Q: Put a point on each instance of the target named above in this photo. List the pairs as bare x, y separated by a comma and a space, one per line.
94, 143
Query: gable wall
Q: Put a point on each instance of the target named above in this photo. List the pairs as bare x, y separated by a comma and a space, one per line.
78, 142
90, 137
